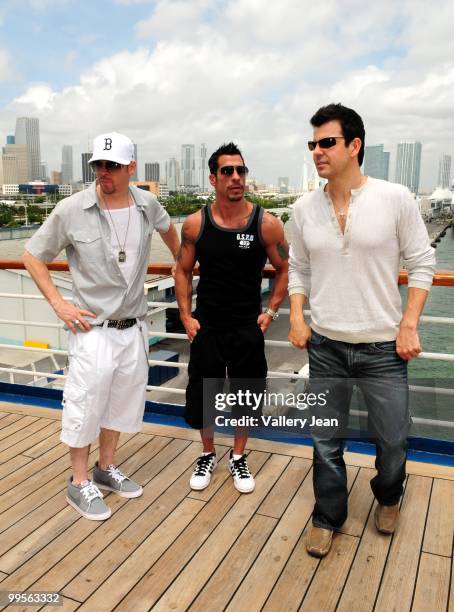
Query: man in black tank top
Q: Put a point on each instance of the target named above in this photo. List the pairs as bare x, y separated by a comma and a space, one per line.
231, 240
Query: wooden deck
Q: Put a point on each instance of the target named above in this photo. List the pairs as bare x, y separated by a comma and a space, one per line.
175, 549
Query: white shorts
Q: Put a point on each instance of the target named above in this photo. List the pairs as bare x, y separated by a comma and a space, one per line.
106, 384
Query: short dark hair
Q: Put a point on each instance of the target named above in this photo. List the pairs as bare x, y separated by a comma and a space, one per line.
228, 148
351, 123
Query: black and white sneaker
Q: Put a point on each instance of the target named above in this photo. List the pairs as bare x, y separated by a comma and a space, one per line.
242, 478
201, 476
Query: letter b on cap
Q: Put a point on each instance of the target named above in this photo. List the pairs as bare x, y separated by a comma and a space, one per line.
107, 144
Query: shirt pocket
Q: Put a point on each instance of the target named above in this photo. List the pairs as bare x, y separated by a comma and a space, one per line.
88, 245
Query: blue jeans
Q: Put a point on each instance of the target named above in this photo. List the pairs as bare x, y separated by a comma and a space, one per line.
335, 368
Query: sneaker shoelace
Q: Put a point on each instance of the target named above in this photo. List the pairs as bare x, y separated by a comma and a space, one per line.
241, 467
203, 465
90, 492
115, 473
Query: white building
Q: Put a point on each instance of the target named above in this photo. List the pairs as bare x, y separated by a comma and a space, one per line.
188, 173
408, 165
67, 164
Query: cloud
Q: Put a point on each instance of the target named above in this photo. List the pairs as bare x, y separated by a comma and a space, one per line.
207, 71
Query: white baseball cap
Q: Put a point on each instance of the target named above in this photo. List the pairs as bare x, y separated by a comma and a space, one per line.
113, 147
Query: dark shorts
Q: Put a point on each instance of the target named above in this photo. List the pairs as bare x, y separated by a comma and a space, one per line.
237, 354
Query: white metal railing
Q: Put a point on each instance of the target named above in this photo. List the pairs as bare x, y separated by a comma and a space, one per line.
50, 377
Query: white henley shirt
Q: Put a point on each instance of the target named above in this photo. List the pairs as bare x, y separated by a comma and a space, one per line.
351, 278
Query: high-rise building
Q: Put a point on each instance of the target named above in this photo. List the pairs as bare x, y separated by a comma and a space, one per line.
203, 168
21, 154
135, 176
8, 170
27, 133
152, 171
88, 176
444, 171
55, 177
408, 165
376, 162
44, 171
282, 183
188, 176
67, 169
173, 174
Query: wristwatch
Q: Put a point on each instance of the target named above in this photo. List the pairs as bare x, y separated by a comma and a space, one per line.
272, 313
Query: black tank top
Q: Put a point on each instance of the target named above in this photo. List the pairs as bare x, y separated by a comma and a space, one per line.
231, 264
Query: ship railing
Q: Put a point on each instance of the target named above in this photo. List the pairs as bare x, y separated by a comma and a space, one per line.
50, 378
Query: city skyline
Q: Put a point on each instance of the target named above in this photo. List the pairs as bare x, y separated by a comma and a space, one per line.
167, 72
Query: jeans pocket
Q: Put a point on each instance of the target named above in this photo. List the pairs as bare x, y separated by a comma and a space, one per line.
317, 339
383, 347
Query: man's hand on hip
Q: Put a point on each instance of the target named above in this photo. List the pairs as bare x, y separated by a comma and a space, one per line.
407, 343
299, 334
73, 316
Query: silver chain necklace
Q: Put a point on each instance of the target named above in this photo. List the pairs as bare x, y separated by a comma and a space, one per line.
121, 250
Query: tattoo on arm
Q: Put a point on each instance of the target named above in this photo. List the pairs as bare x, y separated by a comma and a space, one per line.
282, 249
185, 241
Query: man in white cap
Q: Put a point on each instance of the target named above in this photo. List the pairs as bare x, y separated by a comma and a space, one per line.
106, 231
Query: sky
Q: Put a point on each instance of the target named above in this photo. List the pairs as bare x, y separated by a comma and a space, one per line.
167, 72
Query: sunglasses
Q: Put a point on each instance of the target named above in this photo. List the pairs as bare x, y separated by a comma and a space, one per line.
323, 143
110, 166
229, 170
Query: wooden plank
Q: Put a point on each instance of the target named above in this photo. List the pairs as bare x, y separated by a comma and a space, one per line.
47, 444
13, 464
281, 494
149, 551
67, 605
294, 580
38, 466
440, 522
11, 429
360, 501
63, 516
191, 580
366, 572
3, 414
432, 585
260, 580
33, 512
226, 579
451, 590
31, 410
330, 576
90, 563
8, 419
396, 589
2, 576
30, 436
156, 579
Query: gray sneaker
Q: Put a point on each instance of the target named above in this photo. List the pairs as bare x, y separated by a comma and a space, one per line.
87, 500
114, 480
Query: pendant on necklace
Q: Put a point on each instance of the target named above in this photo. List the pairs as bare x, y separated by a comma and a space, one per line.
121, 256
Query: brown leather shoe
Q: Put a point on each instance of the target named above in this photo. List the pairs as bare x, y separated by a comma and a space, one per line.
318, 541
386, 518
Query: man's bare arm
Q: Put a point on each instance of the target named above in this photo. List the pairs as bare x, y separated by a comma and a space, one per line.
277, 251
171, 240
407, 342
183, 273
65, 311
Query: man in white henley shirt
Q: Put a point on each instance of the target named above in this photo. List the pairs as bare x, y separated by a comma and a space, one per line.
348, 241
